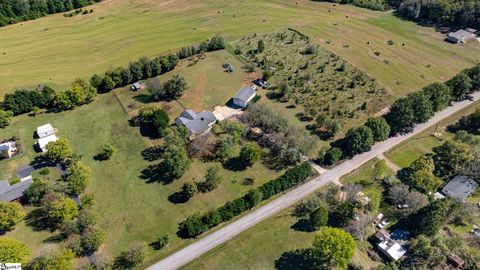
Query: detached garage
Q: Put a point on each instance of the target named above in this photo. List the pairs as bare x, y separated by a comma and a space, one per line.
244, 96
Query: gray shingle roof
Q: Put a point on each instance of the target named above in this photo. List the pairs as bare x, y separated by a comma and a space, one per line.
245, 93
13, 192
461, 34
197, 123
459, 188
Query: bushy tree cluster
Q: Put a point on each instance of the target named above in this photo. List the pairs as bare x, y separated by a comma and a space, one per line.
12, 250
154, 117
197, 224
10, 214
78, 178
24, 101
144, 68
79, 93
57, 209
6, 118
215, 43
169, 90
420, 175
13, 11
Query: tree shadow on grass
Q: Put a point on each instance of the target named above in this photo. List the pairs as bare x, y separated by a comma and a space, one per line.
155, 174
38, 222
143, 98
234, 164
177, 198
305, 259
54, 239
149, 131
303, 225
152, 153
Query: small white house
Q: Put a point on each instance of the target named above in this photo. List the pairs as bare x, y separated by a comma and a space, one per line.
7, 149
42, 142
45, 130
244, 96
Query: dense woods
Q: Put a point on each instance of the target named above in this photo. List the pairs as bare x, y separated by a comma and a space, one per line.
13, 11
453, 13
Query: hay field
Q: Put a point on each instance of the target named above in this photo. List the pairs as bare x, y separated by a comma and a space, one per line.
55, 50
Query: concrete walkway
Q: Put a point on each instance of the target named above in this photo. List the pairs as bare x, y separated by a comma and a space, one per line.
230, 230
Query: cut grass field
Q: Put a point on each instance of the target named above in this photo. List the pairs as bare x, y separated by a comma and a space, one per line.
129, 208
55, 50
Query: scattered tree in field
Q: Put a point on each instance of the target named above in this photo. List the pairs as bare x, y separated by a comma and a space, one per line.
380, 128
335, 246
175, 163
78, 178
318, 218
212, 178
12, 251
59, 151
430, 219
175, 87
161, 242
57, 260
189, 190
6, 118
106, 152
250, 154
260, 46
161, 121
58, 209
439, 95
225, 148
146, 114
10, 214
132, 257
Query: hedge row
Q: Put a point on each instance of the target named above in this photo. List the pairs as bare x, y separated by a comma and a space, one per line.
197, 224
146, 68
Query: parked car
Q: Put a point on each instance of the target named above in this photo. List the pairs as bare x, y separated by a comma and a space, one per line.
261, 82
383, 224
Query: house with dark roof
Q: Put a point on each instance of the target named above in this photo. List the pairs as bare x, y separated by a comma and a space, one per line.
14, 192
244, 96
196, 123
459, 188
462, 36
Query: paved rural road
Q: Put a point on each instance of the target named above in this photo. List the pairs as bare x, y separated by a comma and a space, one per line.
228, 231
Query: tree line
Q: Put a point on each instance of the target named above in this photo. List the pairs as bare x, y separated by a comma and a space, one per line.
453, 13
13, 11
416, 108
197, 224
82, 92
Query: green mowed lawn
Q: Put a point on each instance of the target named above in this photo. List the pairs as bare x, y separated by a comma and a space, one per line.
55, 50
208, 84
129, 208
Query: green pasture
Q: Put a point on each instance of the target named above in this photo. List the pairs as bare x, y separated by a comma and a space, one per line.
55, 50
129, 208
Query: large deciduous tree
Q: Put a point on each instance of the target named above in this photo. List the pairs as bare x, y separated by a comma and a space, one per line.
358, 140
250, 154
439, 95
6, 118
13, 251
335, 245
430, 219
380, 128
59, 150
10, 214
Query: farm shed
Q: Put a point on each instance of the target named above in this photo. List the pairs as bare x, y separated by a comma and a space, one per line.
45, 130
461, 36
244, 96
